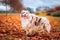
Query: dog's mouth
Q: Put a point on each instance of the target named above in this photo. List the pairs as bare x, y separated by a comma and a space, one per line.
24, 16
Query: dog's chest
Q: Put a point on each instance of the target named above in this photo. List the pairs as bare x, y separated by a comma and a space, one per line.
25, 22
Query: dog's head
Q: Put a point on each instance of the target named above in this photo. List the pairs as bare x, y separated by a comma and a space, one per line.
25, 18
25, 14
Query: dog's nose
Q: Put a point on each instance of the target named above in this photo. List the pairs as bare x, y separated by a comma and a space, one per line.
23, 15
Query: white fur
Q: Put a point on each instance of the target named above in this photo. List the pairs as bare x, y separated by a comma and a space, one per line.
26, 25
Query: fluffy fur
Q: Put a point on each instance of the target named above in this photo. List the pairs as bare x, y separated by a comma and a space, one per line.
32, 22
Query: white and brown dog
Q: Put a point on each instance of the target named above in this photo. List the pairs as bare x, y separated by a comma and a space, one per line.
32, 22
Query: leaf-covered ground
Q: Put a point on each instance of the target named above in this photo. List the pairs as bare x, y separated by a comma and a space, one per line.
10, 29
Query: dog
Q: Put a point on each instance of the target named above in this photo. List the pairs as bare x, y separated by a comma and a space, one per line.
32, 22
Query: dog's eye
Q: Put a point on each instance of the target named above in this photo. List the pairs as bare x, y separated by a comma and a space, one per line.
26, 13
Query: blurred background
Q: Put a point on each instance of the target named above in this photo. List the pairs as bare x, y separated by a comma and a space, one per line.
49, 7
46, 8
